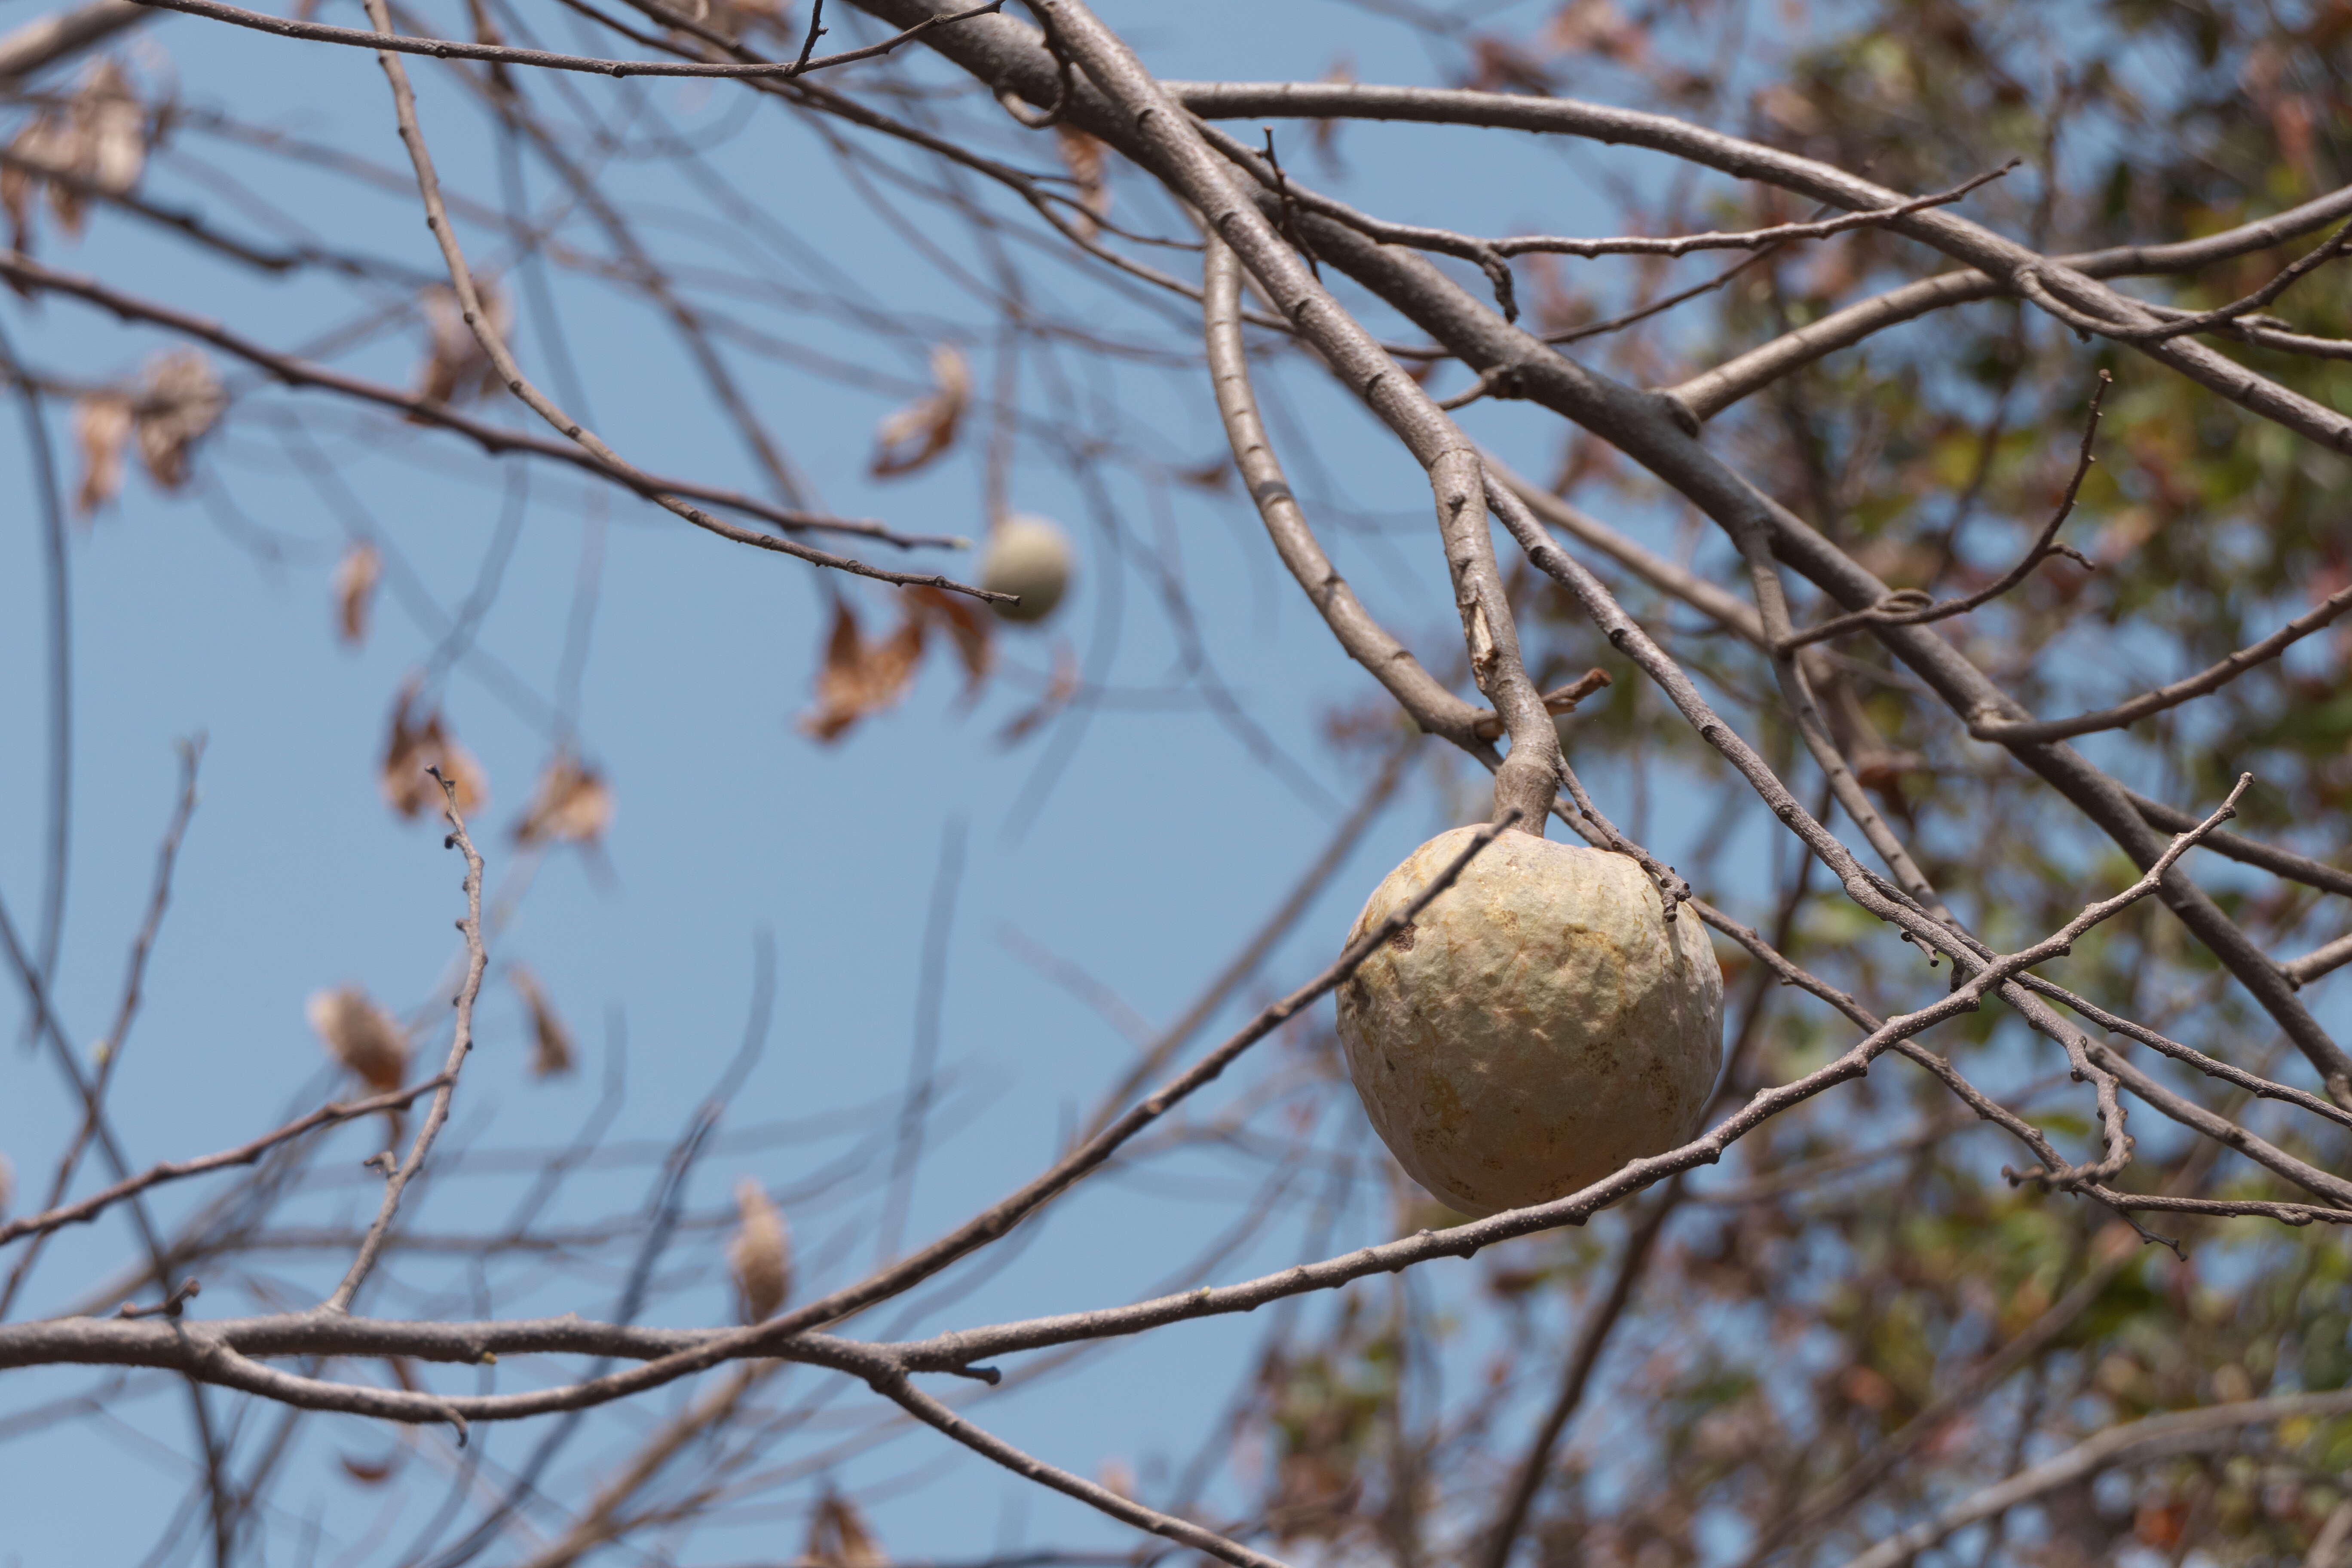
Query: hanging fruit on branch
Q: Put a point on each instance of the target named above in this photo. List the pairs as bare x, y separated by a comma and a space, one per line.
1540, 1025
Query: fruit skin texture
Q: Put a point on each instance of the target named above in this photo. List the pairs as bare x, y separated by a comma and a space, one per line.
1031, 557
1535, 1027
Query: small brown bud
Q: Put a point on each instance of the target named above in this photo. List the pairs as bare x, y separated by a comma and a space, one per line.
760, 1255
359, 1032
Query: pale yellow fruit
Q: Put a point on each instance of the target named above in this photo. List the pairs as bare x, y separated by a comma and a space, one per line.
1031, 557
1535, 1027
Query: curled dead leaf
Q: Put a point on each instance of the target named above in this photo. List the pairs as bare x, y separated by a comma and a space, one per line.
1500, 65
839, 1537
912, 436
1085, 157
551, 1055
456, 368
354, 586
571, 806
114, 122
415, 744
359, 1032
93, 143
1598, 27
371, 1472
1210, 474
739, 18
967, 627
760, 1256
860, 678
102, 425
180, 400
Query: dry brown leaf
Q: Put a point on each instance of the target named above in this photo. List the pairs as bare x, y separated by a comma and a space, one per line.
738, 17
859, 677
114, 126
838, 1537
1598, 27
96, 141
1084, 156
355, 579
415, 744
359, 1032
455, 369
915, 434
760, 1256
1209, 474
967, 627
1058, 692
371, 1472
8, 1184
1789, 109
101, 422
179, 401
551, 1055
1499, 64
573, 804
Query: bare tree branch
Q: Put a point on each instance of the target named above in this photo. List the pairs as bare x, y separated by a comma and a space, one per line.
2004, 730
2178, 1432
453, 49
461, 1044
492, 438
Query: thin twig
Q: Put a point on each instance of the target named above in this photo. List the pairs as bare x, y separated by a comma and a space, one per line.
461, 1043
895, 1386
1684, 245
2302, 972
1534, 1466
170, 1305
2205, 321
2235, 1075
2253, 852
1289, 211
453, 49
922, 1061
83, 1210
2212, 678
1430, 705
492, 438
56, 608
476, 318
1156, 1054
159, 898
815, 30
1910, 608
2176, 1432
